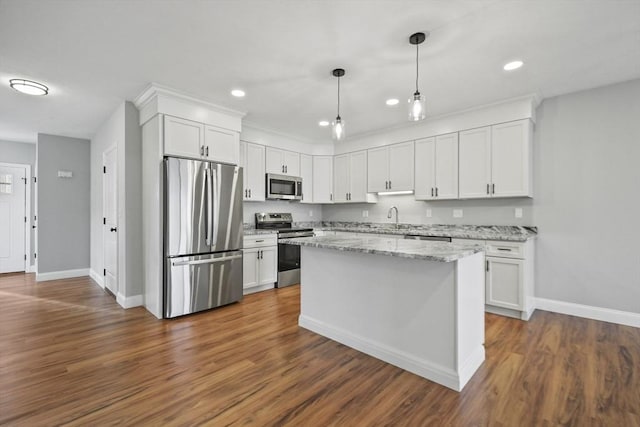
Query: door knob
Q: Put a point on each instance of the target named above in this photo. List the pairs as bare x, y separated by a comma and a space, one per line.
113, 229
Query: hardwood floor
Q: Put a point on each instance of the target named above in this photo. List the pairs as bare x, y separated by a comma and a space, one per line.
70, 355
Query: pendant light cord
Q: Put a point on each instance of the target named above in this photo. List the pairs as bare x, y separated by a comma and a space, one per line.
338, 96
417, 46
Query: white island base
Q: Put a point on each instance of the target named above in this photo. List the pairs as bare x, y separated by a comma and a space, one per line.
426, 317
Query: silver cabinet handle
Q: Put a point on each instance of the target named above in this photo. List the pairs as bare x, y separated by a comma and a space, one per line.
286, 169
431, 191
202, 150
331, 196
436, 191
246, 193
206, 261
487, 265
504, 249
488, 189
493, 189
249, 193
259, 241
206, 150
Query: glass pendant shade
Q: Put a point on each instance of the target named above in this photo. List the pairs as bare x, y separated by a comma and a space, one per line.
417, 107
338, 129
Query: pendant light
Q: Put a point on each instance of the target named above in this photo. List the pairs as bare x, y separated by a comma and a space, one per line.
338, 124
417, 103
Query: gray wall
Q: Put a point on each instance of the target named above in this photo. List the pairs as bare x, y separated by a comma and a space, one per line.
23, 153
121, 129
63, 204
299, 211
587, 182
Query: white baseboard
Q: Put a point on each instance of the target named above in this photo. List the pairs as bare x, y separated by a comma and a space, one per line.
259, 288
98, 278
65, 274
128, 302
590, 312
431, 371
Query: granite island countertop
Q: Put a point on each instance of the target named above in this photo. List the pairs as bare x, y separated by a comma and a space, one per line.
392, 246
512, 233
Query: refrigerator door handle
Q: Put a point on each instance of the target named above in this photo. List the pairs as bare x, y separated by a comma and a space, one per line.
206, 261
216, 207
208, 207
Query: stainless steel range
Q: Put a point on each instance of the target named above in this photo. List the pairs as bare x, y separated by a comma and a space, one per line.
288, 255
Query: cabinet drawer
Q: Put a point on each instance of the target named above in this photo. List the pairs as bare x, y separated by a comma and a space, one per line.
505, 249
260, 240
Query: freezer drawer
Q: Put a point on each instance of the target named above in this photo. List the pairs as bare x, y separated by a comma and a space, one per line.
196, 283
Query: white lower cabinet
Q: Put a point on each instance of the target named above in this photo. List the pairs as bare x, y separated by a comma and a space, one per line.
259, 263
508, 277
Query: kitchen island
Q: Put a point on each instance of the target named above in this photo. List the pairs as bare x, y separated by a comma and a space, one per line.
418, 305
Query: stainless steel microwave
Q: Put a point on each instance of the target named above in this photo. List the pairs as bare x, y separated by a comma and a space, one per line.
284, 187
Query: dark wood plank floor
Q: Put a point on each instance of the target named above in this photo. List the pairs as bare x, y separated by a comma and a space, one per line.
70, 355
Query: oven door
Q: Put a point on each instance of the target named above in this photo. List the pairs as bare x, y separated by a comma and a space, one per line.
288, 257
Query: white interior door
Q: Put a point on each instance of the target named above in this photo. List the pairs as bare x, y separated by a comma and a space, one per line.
110, 221
12, 219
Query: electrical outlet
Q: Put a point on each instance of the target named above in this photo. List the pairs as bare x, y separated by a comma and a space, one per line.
429, 213
518, 212
310, 213
365, 214
457, 213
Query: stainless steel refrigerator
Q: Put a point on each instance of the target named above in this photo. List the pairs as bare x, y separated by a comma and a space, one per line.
202, 235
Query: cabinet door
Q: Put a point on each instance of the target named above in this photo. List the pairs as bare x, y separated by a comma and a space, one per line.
268, 265
306, 173
425, 173
221, 145
255, 183
341, 178
504, 284
510, 156
183, 137
291, 162
378, 169
250, 268
322, 179
275, 161
358, 176
401, 166
475, 163
446, 166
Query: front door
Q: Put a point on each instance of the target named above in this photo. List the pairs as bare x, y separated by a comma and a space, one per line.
12, 218
110, 219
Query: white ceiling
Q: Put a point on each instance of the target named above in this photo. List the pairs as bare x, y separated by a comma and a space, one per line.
93, 54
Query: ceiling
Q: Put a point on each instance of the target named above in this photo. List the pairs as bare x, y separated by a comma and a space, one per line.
93, 54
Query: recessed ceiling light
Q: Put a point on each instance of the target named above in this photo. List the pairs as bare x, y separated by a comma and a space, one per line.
392, 101
514, 65
29, 87
323, 123
238, 93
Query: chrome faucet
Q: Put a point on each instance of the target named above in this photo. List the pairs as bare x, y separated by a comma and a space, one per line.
389, 214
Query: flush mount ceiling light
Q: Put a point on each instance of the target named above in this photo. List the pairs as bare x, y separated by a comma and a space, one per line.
392, 101
417, 102
323, 123
338, 124
238, 93
29, 87
513, 65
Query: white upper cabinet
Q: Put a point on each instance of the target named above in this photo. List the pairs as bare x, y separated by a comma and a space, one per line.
191, 139
322, 179
390, 168
495, 161
436, 168
282, 162
221, 145
511, 159
350, 178
306, 173
183, 137
252, 160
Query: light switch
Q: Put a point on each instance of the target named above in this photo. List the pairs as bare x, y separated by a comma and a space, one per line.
457, 213
65, 174
518, 212
429, 213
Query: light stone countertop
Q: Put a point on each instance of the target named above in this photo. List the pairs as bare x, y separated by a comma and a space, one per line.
392, 246
254, 231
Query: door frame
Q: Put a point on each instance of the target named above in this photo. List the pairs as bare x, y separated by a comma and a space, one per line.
27, 212
113, 147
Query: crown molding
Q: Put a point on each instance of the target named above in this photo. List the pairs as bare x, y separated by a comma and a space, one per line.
155, 89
